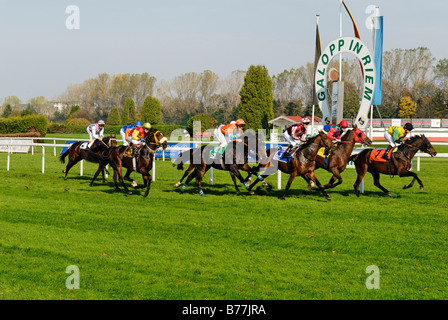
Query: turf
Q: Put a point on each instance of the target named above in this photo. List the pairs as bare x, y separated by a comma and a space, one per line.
226, 245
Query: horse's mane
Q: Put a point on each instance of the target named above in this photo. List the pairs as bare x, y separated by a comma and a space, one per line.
411, 140
308, 142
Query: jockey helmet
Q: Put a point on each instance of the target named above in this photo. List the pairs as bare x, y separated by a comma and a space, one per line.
343, 124
147, 125
408, 126
240, 122
101, 123
306, 120
232, 122
138, 124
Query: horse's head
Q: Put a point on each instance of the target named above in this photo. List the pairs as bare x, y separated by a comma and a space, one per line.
156, 138
360, 136
427, 147
325, 141
110, 141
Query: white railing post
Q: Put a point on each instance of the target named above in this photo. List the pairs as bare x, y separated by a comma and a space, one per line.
154, 167
54, 150
81, 168
279, 179
9, 156
43, 159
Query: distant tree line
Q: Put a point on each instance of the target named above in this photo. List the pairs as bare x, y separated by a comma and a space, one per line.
414, 86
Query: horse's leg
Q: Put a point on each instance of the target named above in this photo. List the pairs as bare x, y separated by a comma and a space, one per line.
232, 175
361, 170
414, 176
100, 169
70, 164
148, 180
191, 167
199, 176
311, 184
336, 176
288, 184
313, 177
128, 178
190, 177
120, 178
376, 182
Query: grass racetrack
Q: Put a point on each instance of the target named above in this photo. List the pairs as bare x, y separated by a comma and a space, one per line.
225, 245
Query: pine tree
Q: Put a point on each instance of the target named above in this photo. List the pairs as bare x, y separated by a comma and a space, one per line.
129, 114
256, 98
151, 110
114, 118
7, 111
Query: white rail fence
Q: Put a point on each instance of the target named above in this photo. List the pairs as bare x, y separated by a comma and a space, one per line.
8, 145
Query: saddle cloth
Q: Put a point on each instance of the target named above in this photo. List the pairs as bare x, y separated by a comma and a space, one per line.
377, 154
279, 156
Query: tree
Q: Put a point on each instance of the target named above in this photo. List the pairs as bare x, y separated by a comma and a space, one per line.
114, 118
407, 108
256, 98
207, 122
151, 110
128, 115
7, 111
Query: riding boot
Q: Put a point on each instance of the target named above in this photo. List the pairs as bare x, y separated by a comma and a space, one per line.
287, 152
386, 153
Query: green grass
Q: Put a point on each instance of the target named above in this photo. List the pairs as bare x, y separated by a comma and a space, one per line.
221, 246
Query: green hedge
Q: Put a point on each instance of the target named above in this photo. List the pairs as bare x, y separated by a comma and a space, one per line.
24, 124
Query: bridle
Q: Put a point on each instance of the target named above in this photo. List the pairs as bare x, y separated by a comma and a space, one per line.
157, 142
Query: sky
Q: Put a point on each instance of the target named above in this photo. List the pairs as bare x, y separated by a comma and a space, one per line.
41, 56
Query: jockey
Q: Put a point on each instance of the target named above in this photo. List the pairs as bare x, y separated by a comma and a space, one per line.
95, 131
394, 135
335, 133
226, 133
295, 135
125, 130
137, 136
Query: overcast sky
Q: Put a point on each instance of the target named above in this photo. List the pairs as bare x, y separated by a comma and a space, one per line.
39, 56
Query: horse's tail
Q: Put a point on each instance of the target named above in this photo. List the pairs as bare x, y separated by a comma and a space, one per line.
62, 156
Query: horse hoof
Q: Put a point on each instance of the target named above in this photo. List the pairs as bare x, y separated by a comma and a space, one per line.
389, 194
129, 192
265, 184
405, 186
176, 185
328, 198
421, 188
251, 192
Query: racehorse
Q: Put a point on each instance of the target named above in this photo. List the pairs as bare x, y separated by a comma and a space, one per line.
302, 162
142, 163
76, 153
337, 160
400, 163
235, 158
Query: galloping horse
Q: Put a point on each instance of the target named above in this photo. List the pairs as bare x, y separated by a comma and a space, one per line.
400, 163
143, 162
338, 159
77, 154
235, 158
301, 164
